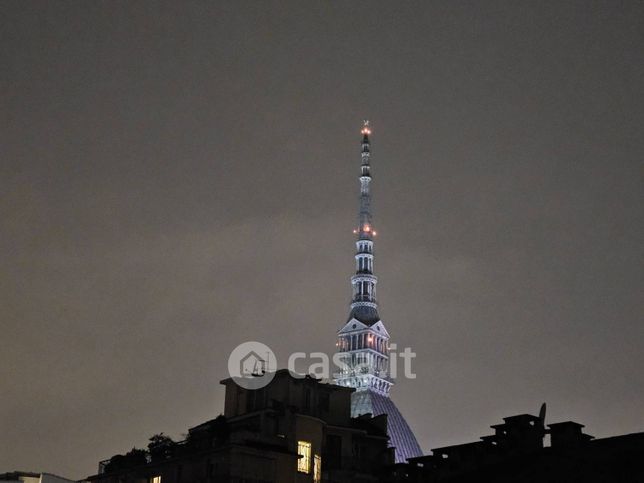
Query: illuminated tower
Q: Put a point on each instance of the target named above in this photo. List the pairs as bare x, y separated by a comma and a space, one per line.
363, 342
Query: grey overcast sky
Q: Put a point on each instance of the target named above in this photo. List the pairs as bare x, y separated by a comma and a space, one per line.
180, 177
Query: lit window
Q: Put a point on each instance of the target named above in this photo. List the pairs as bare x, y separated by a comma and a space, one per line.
317, 469
304, 451
155, 479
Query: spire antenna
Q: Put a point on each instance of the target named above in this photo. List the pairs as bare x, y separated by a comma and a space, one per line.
364, 306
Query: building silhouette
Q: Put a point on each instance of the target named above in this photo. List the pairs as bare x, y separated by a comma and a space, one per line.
296, 429
299, 430
517, 452
363, 341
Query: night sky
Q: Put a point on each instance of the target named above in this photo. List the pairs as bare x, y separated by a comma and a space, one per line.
177, 178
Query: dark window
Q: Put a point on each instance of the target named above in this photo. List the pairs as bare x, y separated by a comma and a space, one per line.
324, 401
332, 455
255, 399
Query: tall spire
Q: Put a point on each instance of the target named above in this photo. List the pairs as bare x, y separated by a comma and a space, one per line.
364, 306
363, 342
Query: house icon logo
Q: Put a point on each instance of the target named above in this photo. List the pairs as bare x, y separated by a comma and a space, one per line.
252, 364
249, 365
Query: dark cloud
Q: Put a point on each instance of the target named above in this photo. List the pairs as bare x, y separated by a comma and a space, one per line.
177, 178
